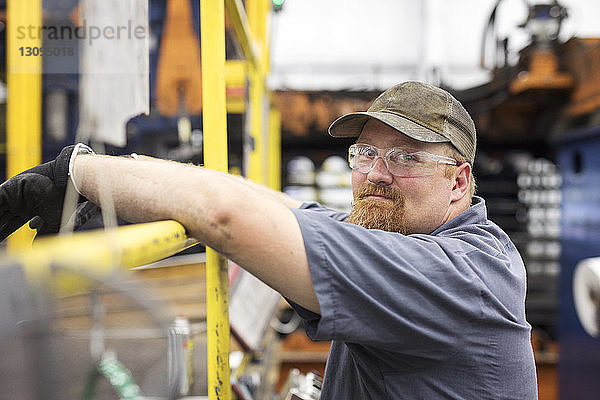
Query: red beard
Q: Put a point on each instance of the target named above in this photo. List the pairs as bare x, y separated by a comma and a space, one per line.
387, 215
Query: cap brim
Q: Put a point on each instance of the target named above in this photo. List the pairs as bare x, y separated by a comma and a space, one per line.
351, 125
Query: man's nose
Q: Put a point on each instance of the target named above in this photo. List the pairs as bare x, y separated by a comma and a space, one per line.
380, 174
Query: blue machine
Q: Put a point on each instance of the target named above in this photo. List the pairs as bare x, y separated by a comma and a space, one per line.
579, 161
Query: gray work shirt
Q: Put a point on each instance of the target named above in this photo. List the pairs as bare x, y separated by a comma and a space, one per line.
438, 316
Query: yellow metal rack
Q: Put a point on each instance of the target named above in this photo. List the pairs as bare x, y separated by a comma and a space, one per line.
24, 108
264, 166
100, 253
212, 23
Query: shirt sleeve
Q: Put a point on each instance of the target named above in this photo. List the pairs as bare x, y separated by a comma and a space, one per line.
412, 294
314, 206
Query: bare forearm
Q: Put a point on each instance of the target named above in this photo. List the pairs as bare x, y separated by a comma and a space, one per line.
251, 225
273, 194
147, 190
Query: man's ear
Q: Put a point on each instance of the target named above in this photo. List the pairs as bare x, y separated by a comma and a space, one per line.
462, 182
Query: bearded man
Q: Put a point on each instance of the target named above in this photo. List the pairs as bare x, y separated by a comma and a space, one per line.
422, 296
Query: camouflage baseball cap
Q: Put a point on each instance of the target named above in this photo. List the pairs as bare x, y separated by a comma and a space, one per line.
420, 111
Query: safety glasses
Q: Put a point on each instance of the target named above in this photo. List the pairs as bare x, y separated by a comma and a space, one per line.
399, 162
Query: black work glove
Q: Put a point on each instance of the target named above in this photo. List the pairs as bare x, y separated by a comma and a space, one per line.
38, 192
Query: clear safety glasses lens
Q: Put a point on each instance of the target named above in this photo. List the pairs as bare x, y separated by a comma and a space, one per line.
362, 158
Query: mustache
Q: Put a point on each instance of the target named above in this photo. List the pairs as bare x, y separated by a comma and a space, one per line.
370, 189
373, 214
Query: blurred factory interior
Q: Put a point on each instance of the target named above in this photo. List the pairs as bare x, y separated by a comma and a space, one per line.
527, 71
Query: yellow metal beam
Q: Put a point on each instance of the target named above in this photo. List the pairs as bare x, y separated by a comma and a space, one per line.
236, 85
214, 114
274, 153
241, 27
24, 108
266, 47
99, 253
258, 18
257, 157
252, 33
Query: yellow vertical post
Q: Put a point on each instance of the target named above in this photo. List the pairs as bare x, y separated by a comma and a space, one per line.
257, 170
265, 12
24, 108
274, 165
214, 116
259, 19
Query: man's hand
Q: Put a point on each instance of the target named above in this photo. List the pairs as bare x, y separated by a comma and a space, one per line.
38, 192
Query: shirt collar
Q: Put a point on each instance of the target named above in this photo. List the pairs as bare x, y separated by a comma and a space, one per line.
474, 215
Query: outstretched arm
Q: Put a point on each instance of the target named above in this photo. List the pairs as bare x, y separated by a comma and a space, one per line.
267, 191
250, 224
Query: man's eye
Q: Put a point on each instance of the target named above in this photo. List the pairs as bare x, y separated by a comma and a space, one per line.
367, 151
401, 158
